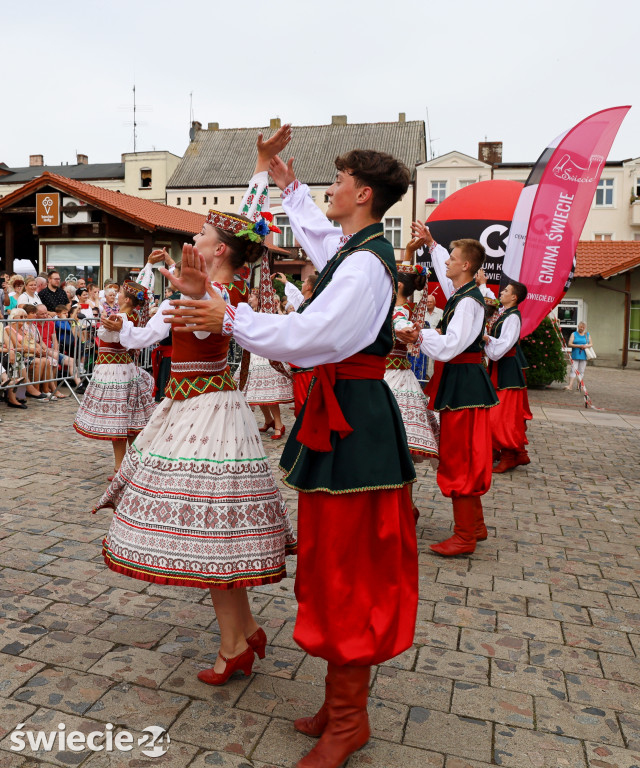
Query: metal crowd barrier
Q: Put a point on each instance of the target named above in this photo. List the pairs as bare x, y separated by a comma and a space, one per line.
45, 351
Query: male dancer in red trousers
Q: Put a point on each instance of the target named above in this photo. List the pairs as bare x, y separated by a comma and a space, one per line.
460, 390
356, 580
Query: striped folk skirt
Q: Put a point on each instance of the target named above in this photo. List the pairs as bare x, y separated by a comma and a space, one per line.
195, 500
265, 385
117, 404
421, 425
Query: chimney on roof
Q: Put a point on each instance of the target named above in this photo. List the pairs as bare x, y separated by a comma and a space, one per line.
338, 119
82, 159
36, 160
402, 117
490, 152
275, 123
213, 126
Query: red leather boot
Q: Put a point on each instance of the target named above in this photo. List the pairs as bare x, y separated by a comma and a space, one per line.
522, 458
314, 726
507, 461
463, 541
348, 727
481, 529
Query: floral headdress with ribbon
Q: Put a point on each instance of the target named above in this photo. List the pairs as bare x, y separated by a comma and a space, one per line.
255, 230
418, 314
136, 291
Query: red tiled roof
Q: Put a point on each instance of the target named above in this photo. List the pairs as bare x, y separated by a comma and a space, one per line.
597, 258
147, 214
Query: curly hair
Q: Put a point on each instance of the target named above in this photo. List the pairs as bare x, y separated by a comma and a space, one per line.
388, 177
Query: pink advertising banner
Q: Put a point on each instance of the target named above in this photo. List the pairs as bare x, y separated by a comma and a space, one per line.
552, 210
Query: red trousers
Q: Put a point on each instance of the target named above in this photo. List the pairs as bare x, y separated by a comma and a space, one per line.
301, 384
508, 420
465, 452
357, 576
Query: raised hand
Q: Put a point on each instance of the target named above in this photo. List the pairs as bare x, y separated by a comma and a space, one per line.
282, 174
197, 315
280, 277
193, 280
414, 245
274, 145
420, 230
157, 255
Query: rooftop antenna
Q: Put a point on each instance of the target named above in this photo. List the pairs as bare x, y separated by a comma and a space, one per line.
430, 139
136, 108
191, 108
135, 124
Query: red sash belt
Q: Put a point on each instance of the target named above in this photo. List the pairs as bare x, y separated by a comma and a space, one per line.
510, 353
438, 368
156, 356
323, 414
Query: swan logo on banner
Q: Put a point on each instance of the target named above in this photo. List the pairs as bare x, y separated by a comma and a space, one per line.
568, 170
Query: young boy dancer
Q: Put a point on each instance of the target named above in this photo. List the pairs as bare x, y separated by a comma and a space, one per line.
508, 420
460, 389
356, 580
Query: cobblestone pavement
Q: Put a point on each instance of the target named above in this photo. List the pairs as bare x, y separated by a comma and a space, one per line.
613, 389
525, 655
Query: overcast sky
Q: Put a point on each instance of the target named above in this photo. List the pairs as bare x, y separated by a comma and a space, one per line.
517, 72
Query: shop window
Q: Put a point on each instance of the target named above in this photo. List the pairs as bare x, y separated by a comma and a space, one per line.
74, 261
634, 325
128, 260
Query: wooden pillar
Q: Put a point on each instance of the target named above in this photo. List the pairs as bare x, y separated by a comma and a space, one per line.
627, 318
8, 244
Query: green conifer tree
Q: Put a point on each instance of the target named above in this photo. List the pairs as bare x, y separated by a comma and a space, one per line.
543, 350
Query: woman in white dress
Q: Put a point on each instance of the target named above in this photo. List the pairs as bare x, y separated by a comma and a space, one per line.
196, 501
118, 401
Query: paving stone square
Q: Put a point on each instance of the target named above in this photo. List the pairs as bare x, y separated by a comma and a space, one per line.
526, 653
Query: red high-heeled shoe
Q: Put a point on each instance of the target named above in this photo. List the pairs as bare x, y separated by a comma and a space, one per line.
267, 427
243, 662
258, 641
278, 434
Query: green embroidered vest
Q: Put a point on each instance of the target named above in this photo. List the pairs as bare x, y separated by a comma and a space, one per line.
464, 385
375, 455
510, 375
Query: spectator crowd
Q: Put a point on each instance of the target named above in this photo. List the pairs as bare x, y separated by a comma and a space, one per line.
47, 334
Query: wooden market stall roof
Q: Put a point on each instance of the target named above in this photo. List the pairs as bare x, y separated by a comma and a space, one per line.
146, 214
